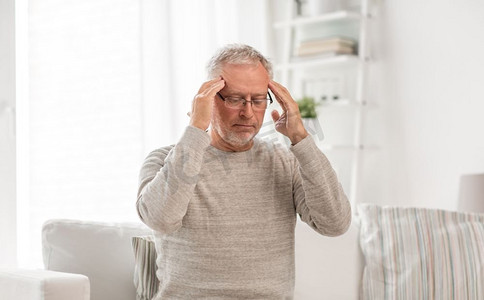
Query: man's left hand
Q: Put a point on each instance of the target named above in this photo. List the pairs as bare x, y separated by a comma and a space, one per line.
289, 123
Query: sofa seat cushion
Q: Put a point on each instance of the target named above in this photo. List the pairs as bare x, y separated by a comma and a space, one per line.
327, 267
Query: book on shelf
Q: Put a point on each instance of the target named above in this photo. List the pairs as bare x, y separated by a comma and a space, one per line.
323, 50
334, 40
335, 45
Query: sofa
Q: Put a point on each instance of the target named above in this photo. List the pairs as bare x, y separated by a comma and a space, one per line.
387, 253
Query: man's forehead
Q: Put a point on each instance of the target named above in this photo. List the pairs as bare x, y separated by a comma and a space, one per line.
245, 78
235, 91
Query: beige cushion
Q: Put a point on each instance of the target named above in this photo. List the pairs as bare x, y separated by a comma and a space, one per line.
145, 280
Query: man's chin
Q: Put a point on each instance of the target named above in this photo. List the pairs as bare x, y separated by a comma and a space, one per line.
243, 129
240, 138
236, 138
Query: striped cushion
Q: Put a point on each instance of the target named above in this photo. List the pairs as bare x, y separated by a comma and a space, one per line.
417, 253
145, 279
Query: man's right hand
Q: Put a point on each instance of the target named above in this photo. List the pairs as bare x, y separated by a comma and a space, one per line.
202, 104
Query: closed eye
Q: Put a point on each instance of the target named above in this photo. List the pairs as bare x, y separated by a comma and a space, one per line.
259, 101
234, 100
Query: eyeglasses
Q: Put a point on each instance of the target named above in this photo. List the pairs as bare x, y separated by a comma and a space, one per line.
239, 103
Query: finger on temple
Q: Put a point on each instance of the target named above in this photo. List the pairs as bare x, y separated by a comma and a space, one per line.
208, 84
276, 90
216, 87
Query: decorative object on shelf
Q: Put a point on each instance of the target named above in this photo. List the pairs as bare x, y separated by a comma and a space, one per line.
326, 89
299, 7
307, 107
326, 46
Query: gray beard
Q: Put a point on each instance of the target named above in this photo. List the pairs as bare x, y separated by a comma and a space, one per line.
232, 138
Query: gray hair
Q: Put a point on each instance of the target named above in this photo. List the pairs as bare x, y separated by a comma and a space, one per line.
236, 54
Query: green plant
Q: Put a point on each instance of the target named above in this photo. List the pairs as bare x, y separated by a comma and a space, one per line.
307, 107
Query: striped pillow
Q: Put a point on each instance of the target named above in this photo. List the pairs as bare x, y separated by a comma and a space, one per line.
417, 253
145, 279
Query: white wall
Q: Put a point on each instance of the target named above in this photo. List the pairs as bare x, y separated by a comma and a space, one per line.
7, 135
429, 84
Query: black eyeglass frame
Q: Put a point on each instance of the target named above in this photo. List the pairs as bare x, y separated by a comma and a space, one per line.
269, 94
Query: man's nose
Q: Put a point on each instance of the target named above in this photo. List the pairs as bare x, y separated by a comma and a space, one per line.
247, 111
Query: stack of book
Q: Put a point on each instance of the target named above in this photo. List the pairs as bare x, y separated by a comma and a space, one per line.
326, 47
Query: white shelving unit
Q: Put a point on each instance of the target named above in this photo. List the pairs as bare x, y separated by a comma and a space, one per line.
294, 72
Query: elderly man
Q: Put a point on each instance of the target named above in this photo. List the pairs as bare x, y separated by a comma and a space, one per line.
223, 203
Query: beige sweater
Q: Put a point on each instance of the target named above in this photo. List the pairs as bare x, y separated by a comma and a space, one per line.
224, 221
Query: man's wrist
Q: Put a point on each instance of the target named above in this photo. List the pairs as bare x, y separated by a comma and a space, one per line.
199, 125
196, 137
296, 138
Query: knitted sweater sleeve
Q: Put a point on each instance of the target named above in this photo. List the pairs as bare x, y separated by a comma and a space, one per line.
318, 196
167, 180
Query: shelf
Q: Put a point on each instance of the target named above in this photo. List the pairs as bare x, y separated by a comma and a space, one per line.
346, 104
318, 62
329, 147
326, 18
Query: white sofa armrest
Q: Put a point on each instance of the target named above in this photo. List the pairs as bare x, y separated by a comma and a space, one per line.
23, 284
